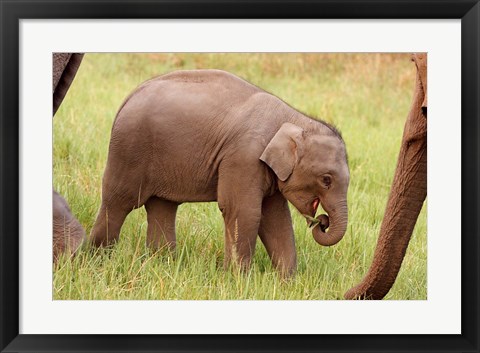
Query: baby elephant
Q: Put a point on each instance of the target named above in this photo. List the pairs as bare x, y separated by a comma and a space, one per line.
68, 234
207, 135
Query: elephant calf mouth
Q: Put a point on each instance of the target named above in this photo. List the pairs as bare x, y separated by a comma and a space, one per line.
322, 221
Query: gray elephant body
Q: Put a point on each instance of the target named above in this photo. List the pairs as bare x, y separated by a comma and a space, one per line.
177, 123
207, 135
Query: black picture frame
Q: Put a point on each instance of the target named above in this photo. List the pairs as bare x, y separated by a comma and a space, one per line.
13, 11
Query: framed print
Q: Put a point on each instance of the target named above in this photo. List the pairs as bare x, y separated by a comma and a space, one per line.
184, 131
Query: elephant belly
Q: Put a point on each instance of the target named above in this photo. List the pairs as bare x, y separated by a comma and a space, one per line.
180, 184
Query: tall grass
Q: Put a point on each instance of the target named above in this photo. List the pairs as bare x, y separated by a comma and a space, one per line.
367, 96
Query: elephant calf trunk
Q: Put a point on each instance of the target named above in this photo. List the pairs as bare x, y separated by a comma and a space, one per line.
335, 233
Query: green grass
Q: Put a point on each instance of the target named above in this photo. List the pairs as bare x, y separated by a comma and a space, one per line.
367, 96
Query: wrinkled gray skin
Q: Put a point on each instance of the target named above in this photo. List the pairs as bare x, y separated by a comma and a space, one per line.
207, 135
68, 234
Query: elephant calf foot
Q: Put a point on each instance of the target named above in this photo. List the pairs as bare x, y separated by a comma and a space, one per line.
239, 255
162, 247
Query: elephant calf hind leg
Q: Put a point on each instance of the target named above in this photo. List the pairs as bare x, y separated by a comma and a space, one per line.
161, 223
106, 229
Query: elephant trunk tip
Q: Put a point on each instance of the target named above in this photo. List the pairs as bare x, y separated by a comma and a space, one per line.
355, 293
364, 292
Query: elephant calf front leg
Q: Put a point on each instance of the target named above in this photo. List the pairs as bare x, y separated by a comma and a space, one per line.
242, 220
161, 223
276, 233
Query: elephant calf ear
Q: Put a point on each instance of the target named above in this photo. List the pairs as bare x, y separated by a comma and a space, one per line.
281, 152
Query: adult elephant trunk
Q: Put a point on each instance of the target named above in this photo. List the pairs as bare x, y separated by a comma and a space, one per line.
408, 192
338, 219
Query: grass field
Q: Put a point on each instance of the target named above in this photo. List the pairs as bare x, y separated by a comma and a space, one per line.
367, 96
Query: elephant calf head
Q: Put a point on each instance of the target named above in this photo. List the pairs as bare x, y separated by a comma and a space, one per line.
312, 170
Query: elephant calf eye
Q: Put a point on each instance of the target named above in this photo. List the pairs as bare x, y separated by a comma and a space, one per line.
326, 180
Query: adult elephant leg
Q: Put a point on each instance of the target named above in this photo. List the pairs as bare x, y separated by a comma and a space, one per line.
276, 233
408, 192
161, 223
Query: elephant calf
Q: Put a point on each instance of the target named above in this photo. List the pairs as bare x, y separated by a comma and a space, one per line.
68, 234
207, 135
